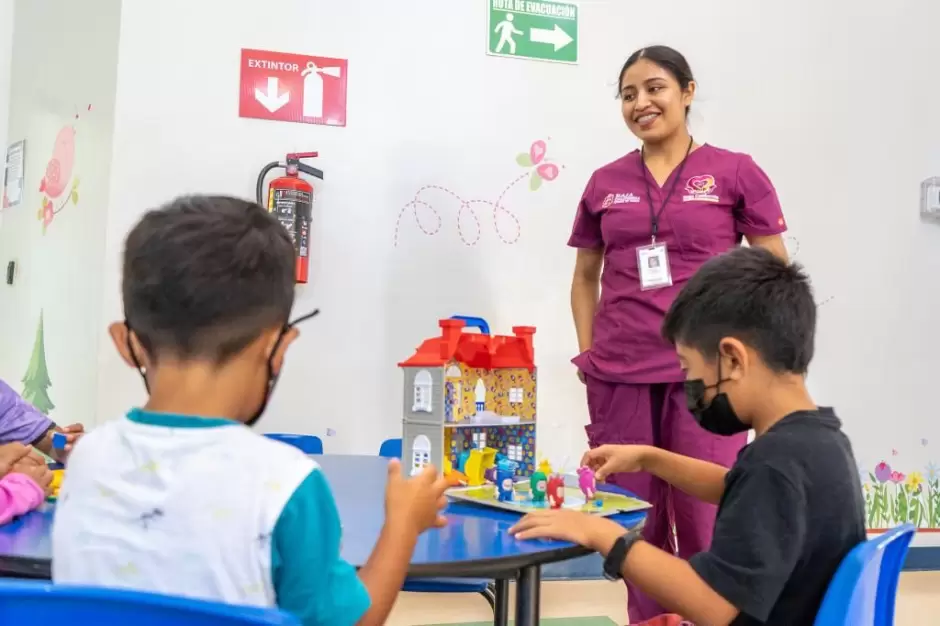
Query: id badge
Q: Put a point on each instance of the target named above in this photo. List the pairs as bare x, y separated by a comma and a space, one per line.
653, 263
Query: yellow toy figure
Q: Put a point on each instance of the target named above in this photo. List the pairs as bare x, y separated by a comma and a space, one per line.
57, 476
477, 463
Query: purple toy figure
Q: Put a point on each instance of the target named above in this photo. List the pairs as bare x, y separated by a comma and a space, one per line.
586, 482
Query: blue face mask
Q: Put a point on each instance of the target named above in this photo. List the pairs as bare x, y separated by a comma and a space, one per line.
271, 378
717, 416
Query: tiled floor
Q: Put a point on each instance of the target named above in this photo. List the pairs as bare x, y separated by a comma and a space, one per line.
919, 596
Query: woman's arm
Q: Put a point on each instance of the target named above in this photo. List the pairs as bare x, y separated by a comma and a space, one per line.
774, 243
585, 291
19, 420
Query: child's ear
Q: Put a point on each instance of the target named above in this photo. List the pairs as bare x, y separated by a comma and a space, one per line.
122, 339
735, 357
280, 349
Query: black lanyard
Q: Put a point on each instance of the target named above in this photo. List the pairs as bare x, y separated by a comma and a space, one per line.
654, 216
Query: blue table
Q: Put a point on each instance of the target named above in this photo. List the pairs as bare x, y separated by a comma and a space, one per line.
474, 544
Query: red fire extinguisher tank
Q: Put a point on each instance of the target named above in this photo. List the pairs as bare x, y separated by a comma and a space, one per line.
290, 199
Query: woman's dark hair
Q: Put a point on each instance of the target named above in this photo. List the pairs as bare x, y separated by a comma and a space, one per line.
665, 57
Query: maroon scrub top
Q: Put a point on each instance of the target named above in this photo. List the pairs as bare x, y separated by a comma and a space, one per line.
721, 197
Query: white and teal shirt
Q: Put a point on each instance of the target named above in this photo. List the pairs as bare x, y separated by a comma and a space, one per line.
203, 508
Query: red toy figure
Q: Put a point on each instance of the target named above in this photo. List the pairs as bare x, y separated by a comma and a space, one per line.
556, 491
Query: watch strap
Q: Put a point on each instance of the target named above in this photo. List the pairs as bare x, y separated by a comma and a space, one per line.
613, 563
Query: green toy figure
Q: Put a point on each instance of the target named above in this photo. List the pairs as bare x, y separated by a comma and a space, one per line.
538, 482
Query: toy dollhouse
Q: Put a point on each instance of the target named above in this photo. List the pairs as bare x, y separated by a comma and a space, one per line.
470, 398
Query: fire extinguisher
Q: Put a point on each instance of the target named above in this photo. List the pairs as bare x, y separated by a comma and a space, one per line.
290, 198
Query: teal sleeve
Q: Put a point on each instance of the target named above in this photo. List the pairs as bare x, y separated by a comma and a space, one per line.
310, 579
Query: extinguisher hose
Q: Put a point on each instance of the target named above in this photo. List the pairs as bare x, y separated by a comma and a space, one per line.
259, 188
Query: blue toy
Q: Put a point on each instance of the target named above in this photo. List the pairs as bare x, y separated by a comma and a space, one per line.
59, 440
505, 479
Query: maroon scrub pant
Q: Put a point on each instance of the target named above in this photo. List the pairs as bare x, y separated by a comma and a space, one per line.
657, 415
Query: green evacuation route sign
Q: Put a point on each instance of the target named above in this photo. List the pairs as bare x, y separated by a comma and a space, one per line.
531, 29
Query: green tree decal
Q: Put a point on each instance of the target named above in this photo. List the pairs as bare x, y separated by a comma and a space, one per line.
36, 381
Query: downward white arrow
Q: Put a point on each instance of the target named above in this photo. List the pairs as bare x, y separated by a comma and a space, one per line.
557, 37
271, 100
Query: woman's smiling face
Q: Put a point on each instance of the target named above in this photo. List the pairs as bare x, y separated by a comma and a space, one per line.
654, 104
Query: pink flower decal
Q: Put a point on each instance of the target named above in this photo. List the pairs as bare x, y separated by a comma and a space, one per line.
883, 472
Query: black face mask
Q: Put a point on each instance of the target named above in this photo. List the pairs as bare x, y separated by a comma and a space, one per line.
271, 378
717, 416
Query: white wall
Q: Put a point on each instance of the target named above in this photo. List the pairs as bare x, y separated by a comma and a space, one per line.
6, 55
64, 58
836, 102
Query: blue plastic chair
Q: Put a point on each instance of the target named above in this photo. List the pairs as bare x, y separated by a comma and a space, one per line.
28, 602
864, 588
391, 448
309, 444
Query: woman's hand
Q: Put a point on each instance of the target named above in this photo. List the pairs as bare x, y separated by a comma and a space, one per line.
10, 455
612, 459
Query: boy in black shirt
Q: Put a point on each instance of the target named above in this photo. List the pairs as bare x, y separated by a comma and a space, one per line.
791, 506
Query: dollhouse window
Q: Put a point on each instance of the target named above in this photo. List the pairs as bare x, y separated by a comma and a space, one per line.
453, 372
514, 453
480, 393
422, 392
479, 440
420, 453
516, 395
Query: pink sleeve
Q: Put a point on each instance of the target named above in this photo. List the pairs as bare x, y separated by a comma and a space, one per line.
757, 208
587, 223
19, 494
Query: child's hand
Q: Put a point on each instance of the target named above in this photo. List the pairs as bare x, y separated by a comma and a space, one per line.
41, 474
11, 454
588, 530
415, 503
611, 459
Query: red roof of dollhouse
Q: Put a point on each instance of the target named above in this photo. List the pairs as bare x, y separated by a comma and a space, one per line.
475, 349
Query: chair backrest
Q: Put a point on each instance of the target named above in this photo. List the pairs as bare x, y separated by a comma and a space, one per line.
30, 602
863, 590
309, 444
390, 449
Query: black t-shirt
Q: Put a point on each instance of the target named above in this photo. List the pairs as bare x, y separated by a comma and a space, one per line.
791, 510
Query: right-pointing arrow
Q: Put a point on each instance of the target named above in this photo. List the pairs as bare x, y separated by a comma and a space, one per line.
271, 100
556, 36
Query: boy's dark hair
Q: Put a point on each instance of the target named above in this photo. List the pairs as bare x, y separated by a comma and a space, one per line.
753, 296
665, 57
205, 275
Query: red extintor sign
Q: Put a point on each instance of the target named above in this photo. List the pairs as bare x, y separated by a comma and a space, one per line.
293, 88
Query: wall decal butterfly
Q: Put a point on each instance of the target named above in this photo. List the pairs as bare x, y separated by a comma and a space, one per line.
544, 170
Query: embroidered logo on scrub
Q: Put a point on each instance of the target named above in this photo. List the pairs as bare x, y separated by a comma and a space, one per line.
620, 198
701, 189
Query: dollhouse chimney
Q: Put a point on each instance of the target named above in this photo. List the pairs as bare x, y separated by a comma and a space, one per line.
450, 332
525, 333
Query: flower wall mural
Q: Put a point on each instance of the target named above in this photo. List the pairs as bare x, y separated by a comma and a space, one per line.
896, 494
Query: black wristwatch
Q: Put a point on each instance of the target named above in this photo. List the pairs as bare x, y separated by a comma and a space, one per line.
613, 564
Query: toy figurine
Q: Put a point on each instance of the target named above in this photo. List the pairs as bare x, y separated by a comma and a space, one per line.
538, 485
556, 491
545, 467
505, 478
587, 482
490, 475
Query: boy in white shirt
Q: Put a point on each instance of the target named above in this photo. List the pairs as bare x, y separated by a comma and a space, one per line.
180, 497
